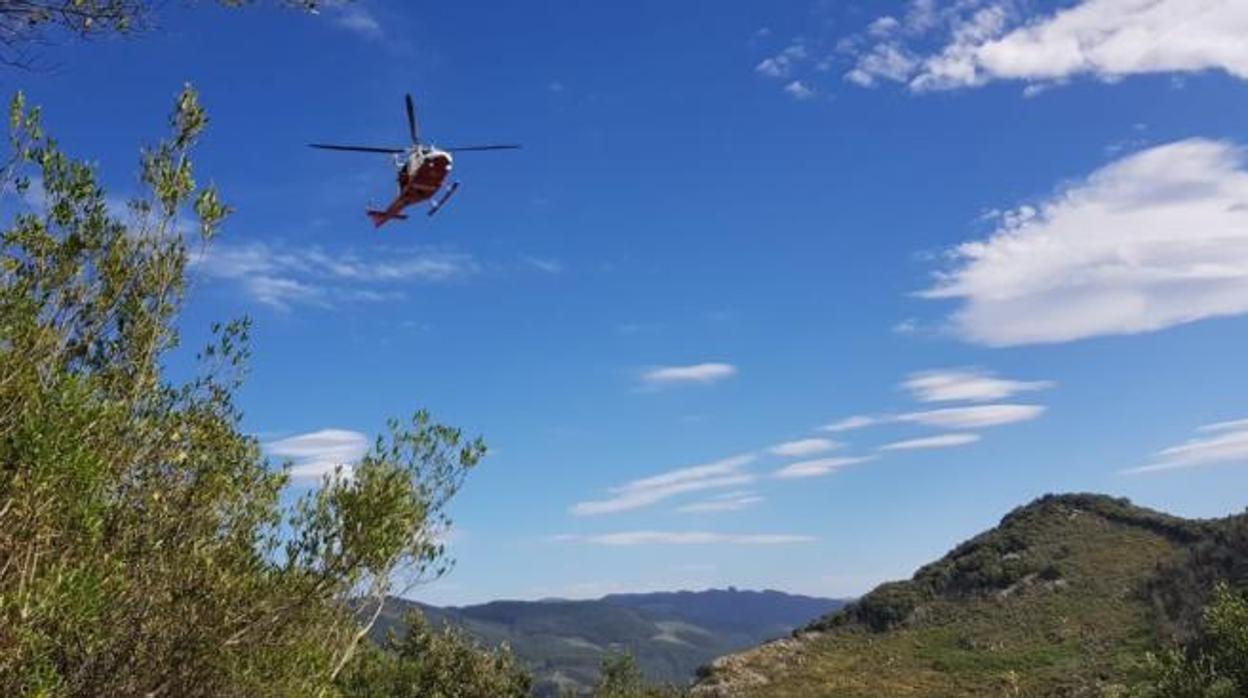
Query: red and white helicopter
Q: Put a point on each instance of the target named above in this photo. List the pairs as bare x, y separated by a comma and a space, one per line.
423, 169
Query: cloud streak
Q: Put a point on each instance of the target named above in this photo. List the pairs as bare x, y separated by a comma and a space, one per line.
652, 490
282, 277
318, 453
817, 467
729, 501
966, 385
695, 374
1229, 444
931, 442
804, 447
631, 538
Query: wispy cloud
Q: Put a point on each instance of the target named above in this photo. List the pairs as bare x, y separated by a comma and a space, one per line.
804, 447
928, 442
318, 453
799, 90
545, 264
853, 423
1228, 445
357, 19
686, 538
966, 385
651, 490
975, 417
1156, 239
282, 277
729, 501
781, 65
971, 417
816, 468
702, 374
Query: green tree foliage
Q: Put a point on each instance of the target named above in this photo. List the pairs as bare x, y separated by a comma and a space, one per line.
441, 663
144, 546
1216, 665
619, 677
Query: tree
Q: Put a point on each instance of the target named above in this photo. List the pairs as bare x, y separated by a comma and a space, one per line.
1216, 664
25, 23
429, 663
144, 545
619, 677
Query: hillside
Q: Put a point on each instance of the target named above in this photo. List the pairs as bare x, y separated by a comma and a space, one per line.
669, 634
1064, 597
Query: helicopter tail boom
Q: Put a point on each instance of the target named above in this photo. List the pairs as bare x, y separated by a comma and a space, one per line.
379, 218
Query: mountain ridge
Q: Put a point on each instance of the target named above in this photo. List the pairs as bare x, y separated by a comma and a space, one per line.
1063, 597
670, 634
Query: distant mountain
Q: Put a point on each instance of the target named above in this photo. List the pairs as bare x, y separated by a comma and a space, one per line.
1064, 597
670, 634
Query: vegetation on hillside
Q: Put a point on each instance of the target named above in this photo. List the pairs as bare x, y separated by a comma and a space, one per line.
144, 545
666, 635
1068, 596
1215, 662
435, 663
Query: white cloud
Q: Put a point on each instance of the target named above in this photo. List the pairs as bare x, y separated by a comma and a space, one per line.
1153, 240
804, 447
852, 423
687, 538
729, 501
799, 90
965, 385
318, 453
550, 266
281, 277
1104, 38
1228, 445
988, 40
816, 468
941, 441
357, 19
1234, 425
886, 60
651, 490
975, 417
781, 64
883, 26
705, 373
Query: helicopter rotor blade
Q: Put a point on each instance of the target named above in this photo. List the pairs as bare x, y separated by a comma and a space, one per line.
357, 148
468, 148
411, 120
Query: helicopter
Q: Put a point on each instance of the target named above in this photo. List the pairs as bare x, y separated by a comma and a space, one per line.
422, 170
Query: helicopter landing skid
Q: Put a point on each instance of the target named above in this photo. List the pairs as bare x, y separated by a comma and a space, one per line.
437, 205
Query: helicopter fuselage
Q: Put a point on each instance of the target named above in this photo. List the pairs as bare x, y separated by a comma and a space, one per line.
422, 172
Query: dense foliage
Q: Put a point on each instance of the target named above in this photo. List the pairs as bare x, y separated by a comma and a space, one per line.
429, 663
144, 545
619, 677
998, 559
1215, 664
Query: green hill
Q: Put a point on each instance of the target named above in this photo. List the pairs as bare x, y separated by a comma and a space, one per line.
1064, 597
669, 634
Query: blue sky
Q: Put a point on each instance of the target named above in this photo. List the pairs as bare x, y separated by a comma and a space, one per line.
1012, 237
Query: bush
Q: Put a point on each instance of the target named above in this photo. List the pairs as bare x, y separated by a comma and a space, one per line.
144, 549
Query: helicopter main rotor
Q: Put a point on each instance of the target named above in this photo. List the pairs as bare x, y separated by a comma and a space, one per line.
414, 133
